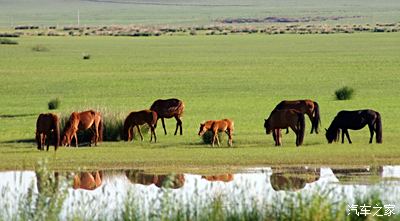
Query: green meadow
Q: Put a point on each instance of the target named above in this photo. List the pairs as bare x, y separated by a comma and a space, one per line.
189, 12
241, 77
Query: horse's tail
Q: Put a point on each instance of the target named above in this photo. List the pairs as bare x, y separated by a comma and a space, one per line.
56, 133
317, 119
302, 127
378, 128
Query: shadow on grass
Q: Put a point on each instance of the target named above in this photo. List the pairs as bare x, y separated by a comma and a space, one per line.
16, 115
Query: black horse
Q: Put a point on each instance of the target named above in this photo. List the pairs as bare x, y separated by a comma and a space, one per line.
355, 120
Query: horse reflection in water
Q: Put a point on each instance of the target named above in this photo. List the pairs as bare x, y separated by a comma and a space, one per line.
173, 181
88, 180
293, 179
365, 175
223, 177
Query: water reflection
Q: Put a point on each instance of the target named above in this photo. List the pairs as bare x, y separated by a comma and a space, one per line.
88, 180
222, 177
173, 181
293, 179
110, 188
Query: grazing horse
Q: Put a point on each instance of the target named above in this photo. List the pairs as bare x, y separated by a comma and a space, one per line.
308, 107
355, 120
82, 121
225, 125
167, 109
139, 118
283, 119
47, 128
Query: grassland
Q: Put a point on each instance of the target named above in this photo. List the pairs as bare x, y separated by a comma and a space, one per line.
189, 12
241, 77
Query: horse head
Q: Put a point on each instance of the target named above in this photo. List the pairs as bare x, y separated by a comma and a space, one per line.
202, 129
267, 126
331, 135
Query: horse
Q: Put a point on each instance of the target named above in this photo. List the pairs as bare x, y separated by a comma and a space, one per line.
309, 107
225, 125
139, 118
167, 109
283, 119
87, 180
47, 128
82, 121
223, 177
355, 120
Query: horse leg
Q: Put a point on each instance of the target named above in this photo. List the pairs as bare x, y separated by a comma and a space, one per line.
140, 133
163, 125
371, 131
76, 139
153, 131
343, 132
279, 137
213, 140
129, 134
43, 141
178, 124
347, 135
48, 136
229, 132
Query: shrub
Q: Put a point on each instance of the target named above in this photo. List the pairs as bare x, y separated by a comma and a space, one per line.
6, 41
207, 137
39, 48
54, 104
85, 56
344, 93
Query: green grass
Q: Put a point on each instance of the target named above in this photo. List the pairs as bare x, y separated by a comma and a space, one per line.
240, 77
188, 12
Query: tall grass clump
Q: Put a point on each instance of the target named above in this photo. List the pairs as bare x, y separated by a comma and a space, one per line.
344, 93
208, 136
54, 104
6, 41
47, 202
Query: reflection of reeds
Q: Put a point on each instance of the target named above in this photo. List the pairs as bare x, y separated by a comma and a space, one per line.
48, 202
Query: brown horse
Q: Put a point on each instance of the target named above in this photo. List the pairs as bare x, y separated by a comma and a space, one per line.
308, 107
223, 177
82, 121
139, 118
283, 119
88, 181
225, 125
47, 128
167, 109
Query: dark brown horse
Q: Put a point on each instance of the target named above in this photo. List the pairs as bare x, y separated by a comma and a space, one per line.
308, 107
355, 120
280, 119
215, 126
173, 181
139, 118
167, 109
47, 129
82, 121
